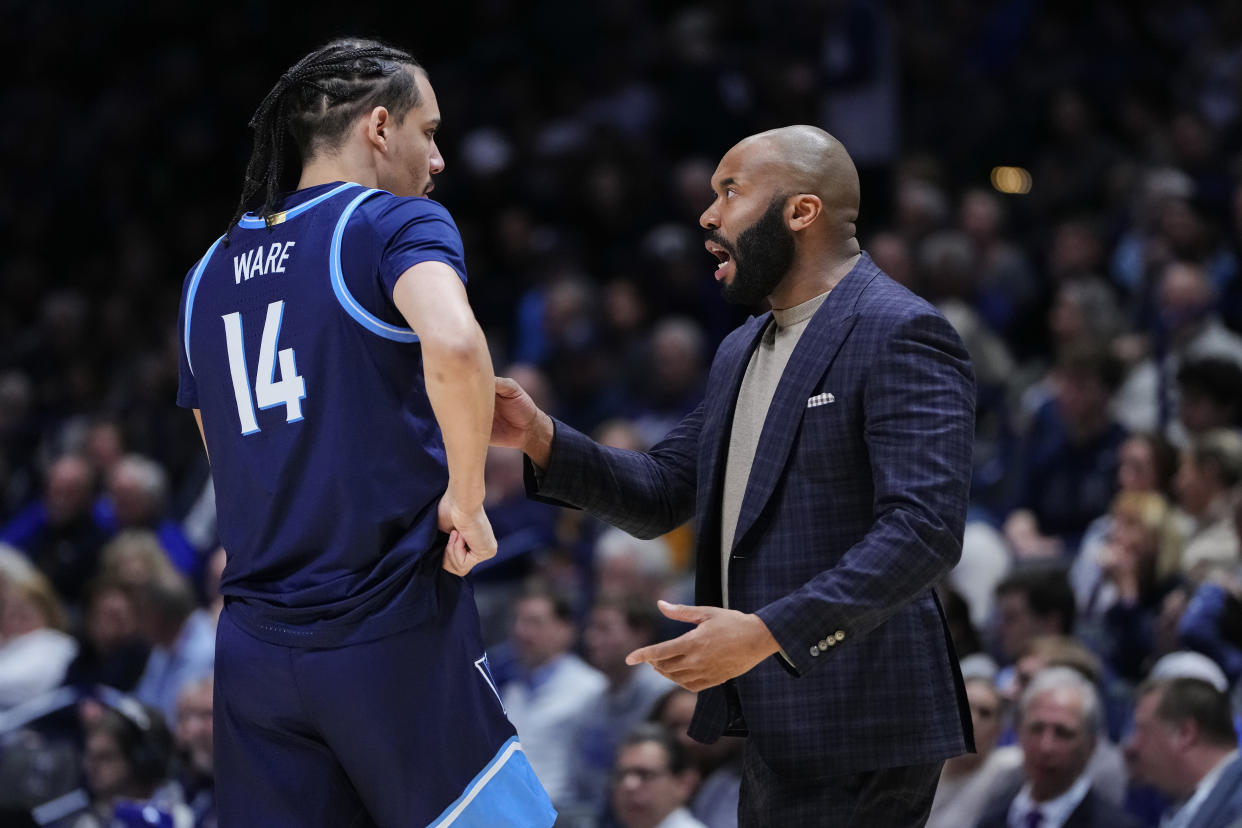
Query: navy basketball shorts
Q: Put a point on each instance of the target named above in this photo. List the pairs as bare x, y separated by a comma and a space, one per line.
406, 730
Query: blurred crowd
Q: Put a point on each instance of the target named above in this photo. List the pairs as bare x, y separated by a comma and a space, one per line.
1102, 310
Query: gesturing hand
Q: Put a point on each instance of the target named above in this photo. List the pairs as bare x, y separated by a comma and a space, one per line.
724, 644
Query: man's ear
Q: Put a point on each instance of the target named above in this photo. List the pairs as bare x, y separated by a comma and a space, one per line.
802, 210
377, 126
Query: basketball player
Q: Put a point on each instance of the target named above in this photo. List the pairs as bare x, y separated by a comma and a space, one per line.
344, 392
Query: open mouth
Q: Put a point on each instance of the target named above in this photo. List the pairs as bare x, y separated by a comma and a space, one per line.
723, 257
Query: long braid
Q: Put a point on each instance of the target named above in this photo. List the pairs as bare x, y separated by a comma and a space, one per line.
315, 101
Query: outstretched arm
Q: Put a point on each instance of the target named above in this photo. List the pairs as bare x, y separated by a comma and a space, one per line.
458, 373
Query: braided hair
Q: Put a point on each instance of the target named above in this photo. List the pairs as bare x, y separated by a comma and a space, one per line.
315, 102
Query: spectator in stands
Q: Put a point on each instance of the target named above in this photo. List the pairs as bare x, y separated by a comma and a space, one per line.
1206, 482
138, 499
652, 781
183, 642
1184, 744
192, 738
126, 762
1031, 602
547, 700
59, 531
113, 651
1059, 719
1210, 395
1147, 464
618, 625
719, 764
967, 782
35, 651
1069, 457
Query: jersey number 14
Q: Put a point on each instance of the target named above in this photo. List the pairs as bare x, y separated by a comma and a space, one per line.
289, 391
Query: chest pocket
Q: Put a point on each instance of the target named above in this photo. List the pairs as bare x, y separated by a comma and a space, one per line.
829, 441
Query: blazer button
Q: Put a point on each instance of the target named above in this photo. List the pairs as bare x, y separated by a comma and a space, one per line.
814, 651
839, 635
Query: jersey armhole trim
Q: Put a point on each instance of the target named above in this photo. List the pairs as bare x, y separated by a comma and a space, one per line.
189, 298
360, 314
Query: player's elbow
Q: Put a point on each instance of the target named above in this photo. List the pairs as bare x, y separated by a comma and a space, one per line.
455, 344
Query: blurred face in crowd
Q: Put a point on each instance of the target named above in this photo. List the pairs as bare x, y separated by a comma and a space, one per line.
194, 726
1196, 487
538, 634
609, 639
985, 714
1152, 751
644, 789
1056, 743
1136, 470
69, 483
1016, 624
745, 224
111, 619
108, 773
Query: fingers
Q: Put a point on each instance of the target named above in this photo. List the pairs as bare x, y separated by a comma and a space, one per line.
506, 387
681, 612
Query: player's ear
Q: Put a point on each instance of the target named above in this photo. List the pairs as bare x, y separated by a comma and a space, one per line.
378, 128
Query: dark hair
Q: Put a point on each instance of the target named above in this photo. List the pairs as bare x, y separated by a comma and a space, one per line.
1093, 360
537, 589
1192, 699
142, 737
1164, 457
639, 613
316, 101
1047, 590
1218, 379
678, 760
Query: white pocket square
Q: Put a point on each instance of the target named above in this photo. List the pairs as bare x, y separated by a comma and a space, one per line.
820, 399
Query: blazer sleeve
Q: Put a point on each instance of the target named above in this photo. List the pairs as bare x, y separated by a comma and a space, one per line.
645, 493
918, 424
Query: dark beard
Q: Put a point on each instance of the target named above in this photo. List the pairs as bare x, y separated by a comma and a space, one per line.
762, 257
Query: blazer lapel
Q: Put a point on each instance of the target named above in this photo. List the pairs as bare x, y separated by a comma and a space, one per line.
810, 359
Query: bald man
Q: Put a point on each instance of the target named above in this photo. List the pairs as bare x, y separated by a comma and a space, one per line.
827, 472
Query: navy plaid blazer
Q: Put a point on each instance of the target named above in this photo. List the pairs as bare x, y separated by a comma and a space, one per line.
854, 507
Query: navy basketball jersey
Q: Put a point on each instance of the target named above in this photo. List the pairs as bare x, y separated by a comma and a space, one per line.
326, 456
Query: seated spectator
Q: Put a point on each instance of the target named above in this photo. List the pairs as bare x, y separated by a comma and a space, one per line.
547, 699
1212, 624
1058, 723
192, 738
35, 651
1106, 768
618, 625
652, 780
1069, 457
1138, 568
1210, 391
59, 531
1148, 463
134, 558
1209, 473
183, 640
719, 764
113, 651
967, 781
126, 763
1030, 602
137, 498
1184, 744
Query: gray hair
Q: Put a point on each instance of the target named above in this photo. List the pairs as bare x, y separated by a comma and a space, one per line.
1065, 678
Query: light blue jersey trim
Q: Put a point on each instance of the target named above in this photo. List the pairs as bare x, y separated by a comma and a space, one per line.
364, 318
251, 222
189, 298
505, 794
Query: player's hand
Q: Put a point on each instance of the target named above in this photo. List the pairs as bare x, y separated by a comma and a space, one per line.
471, 540
518, 423
723, 645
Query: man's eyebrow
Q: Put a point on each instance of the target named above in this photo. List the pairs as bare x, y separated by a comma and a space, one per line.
728, 182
